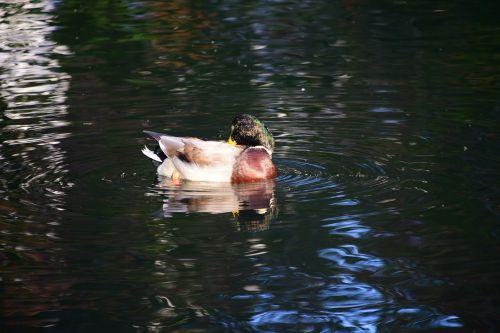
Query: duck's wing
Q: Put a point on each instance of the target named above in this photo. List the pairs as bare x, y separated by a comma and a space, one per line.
205, 153
206, 160
169, 145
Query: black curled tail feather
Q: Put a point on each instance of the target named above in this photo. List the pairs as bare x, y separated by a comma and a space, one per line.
158, 152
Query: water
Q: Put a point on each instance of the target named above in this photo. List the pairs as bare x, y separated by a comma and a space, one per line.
384, 215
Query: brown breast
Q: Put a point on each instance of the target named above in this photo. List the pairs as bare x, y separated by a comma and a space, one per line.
253, 164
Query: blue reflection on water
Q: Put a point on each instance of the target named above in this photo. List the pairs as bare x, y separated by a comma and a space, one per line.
347, 226
345, 303
348, 257
347, 299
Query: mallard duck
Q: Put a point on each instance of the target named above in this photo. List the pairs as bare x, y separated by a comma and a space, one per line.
245, 157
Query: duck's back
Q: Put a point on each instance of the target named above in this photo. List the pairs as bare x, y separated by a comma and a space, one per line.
253, 164
201, 160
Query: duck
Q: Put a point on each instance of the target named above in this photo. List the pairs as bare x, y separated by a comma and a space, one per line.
245, 157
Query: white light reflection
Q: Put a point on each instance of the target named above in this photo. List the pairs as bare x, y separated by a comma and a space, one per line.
33, 90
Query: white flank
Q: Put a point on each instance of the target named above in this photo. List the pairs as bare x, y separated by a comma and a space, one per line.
212, 173
166, 169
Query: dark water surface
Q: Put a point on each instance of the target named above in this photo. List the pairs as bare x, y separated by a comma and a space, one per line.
385, 213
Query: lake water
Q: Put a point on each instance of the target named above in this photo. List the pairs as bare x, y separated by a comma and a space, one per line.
384, 216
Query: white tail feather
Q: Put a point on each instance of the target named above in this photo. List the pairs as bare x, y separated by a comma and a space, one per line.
149, 153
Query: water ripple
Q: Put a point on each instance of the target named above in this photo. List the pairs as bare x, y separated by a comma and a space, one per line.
34, 169
346, 226
348, 257
34, 92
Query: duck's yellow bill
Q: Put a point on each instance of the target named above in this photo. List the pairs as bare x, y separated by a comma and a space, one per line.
231, 141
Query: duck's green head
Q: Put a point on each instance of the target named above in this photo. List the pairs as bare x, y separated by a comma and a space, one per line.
247, 130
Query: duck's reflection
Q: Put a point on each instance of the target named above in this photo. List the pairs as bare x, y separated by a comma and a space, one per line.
252, 205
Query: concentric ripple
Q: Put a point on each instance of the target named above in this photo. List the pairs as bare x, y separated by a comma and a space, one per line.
309, 180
